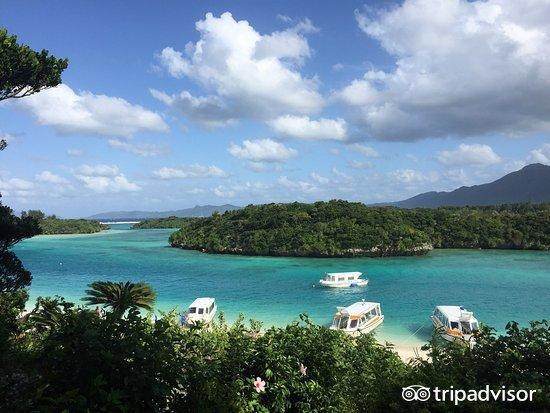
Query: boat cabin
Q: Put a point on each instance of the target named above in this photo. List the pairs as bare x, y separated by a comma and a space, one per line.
202, 309
362, 316
455, 322
343, 279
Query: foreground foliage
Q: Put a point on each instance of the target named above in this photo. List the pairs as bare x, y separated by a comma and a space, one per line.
340, 228
76, 360
120, 296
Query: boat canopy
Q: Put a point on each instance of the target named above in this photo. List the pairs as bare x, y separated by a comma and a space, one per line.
358, 309
455, 312
344, 274
203, 302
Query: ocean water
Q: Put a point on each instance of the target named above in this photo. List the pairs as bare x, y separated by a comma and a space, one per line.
498, 286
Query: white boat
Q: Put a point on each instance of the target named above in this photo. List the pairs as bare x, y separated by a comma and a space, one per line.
360, 317
343, 280
201, 310
455, 323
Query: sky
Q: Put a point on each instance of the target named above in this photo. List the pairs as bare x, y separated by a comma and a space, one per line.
166, 105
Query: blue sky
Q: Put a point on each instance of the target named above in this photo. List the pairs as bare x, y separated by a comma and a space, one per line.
167, 105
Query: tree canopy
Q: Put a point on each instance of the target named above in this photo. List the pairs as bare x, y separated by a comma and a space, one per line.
340, 228
24, 71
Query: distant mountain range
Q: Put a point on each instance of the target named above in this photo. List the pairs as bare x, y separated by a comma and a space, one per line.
196, 211
529, 184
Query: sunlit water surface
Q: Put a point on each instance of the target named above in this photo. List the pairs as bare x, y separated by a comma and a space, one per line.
497, 285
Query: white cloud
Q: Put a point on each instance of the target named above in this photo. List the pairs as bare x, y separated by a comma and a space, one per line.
103, 178
541, 155
251, 75
284, 18
98, 170
191, 171
50, 177
359, 164
223, 192
463, 68
469, 155
85, 113
302, 127
367, 151
410, 176
319, 178
210, 111
301, 186
262, 150
15, 184
7, 137
75, 152
139, 149
174, 62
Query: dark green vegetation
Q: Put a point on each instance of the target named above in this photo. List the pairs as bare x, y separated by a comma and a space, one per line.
340, 228
170, 222
530, 184
24, 71
121, 296
51, 225
65, 358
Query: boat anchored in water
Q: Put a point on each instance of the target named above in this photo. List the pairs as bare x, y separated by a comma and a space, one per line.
202, 310
343, 280
455, 323
360, 317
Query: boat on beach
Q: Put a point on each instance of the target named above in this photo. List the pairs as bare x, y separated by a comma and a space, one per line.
343, 280
202, 310
360, 317
455, 323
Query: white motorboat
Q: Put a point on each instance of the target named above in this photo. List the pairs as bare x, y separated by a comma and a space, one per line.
343, 280
360, 317
201, 310
455, 323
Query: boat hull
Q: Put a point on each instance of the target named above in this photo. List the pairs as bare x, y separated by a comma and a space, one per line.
344, 284
374, 323
448, 335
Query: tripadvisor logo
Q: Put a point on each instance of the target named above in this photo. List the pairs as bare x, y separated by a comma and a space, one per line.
422, 394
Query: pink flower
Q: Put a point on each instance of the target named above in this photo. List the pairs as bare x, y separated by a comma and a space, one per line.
303, 369
259, 385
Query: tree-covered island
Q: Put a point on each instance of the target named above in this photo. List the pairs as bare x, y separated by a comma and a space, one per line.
52, 225
345, 229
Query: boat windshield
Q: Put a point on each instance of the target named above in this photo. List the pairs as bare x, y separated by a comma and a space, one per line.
192, 310
468, 328
343, 322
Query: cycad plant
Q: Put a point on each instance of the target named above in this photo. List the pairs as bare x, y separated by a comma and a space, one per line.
120, 296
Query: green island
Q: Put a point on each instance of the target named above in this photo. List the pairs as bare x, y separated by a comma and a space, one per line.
345, 229
51, 225
162, 223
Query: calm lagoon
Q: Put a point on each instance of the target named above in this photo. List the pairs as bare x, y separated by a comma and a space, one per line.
497, 285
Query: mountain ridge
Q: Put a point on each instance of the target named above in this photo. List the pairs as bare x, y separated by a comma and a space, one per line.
530, 184
196, 211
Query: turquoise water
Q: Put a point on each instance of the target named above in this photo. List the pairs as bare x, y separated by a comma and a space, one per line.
497, 285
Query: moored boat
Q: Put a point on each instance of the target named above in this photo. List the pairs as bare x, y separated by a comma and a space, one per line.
343, 280
202, 310
455, 323
360, 317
